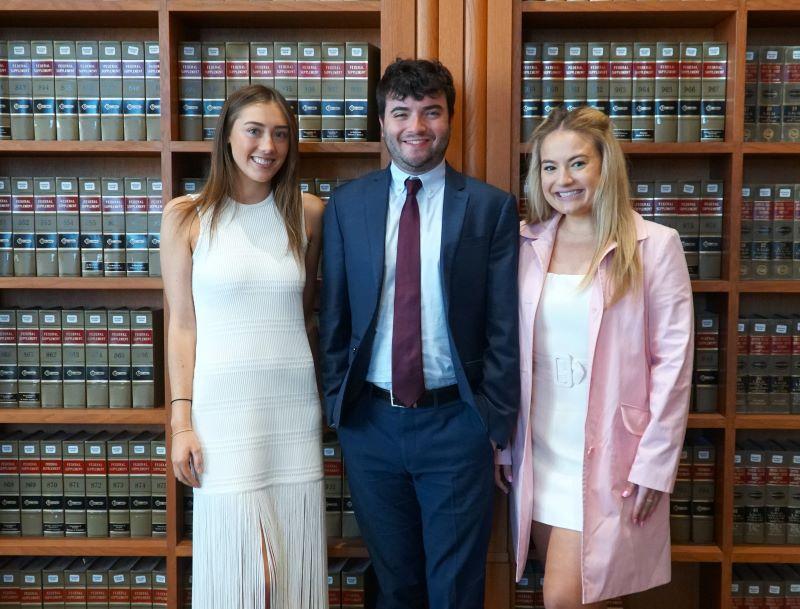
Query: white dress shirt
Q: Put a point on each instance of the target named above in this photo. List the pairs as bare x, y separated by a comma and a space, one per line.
437, 363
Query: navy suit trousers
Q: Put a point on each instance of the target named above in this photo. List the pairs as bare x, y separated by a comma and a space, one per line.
422, 485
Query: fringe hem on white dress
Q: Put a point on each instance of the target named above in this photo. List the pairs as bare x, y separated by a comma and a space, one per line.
227, 562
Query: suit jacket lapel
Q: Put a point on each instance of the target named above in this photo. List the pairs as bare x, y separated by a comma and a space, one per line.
376, 205
455, 208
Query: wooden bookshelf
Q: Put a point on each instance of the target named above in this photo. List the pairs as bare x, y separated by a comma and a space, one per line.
82, 546
81, 283
84, 416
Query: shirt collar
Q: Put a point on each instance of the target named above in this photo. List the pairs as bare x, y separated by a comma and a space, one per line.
432, 181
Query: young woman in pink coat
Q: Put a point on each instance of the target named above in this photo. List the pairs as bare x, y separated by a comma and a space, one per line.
606, 341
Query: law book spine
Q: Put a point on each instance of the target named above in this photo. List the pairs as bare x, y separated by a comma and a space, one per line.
763, 211
158, 485
88, 90
52, 487
97, 583
790, 132
597, 75
688, 217
141, 514
776, 493
51, 357
680, 523
793, 498
332, 462
137, 256
758, 378
237, 66
45, 218
190, 91
5, 109
43, 89
360, 118
30, 487
710, 229
6, 229
8, 359
91, 223
74, 358
309, 91
68, 227
160, 585
96, 488
111, 125
575, 73
713, 92
262, 64
119, 496
152, 91
782, 232
142, 584
746, 240
53, 592
155, 207
335, 567
142, 360
97, 359
755, 482
621, 89
750, 93
642, 199
119, 359
23, 221
742, 363
74, 487
9, 489
795, 372
119, 584
531, 108
333, 55
113, 200
769, 94
738, 495
703, 492
643, 102
133, 92
65, 69
20, 90
552, 76
285, 66
796, 233
706, 362
666, 92
213, 67
28, 359
350, 526
690, 81
780, 364
665, 204
353, 593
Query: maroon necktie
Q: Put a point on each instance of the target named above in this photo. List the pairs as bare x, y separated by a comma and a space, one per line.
408, 382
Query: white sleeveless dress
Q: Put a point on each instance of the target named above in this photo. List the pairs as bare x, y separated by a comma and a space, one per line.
257, 415
559, 401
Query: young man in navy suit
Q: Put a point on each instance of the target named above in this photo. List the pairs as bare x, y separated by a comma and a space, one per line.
420, 360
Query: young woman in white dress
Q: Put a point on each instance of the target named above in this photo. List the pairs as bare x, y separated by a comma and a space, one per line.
239, 263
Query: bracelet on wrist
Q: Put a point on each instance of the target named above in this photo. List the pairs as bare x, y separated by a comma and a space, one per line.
180, 400
175, 433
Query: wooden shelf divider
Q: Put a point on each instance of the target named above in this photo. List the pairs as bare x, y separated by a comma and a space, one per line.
84, 416
82, 546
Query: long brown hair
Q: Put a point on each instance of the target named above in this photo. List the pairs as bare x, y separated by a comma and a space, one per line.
221, 185
612, 212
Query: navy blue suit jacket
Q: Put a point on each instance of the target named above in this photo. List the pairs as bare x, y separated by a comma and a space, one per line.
480, 236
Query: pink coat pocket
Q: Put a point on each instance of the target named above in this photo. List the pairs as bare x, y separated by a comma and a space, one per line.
634, 418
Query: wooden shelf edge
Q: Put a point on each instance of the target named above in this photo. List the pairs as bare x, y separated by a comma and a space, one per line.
706, 420
710, 285
692, 553
770, 148
338, 547
631, 6
327, 6
765, 553
769, 286
81, 283
767, 421
84, 416
28, 147
769, 5
81, 546
12, 6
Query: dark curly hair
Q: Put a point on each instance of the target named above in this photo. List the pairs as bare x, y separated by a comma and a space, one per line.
417, 78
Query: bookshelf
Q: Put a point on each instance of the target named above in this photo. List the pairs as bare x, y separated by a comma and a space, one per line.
739, 23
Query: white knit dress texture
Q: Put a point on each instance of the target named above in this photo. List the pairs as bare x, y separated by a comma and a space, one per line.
257, 415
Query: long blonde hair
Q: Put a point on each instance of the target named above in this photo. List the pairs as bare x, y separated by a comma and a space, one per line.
221, 185
612, 213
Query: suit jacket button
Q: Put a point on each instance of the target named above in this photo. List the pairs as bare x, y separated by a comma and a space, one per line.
355, 349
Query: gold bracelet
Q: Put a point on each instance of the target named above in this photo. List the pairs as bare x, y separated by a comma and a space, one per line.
175, 433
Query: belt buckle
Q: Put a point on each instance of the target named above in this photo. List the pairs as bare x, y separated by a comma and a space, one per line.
398, 404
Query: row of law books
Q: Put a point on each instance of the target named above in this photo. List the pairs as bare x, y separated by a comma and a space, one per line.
705, 385
84, 90
695, 210
691, 505
98, 582
80, 358
529, 590
654, 92
772, 94
765, 585
80, 227
770, 232
83, 484
340, 519
766, 492
351, 583
768, 364
330, 85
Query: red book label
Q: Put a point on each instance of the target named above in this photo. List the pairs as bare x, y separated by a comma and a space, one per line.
332, 69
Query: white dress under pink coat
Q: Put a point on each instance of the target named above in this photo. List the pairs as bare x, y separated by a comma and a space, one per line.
640, 372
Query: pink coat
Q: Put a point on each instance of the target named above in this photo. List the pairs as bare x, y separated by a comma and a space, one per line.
640, 376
